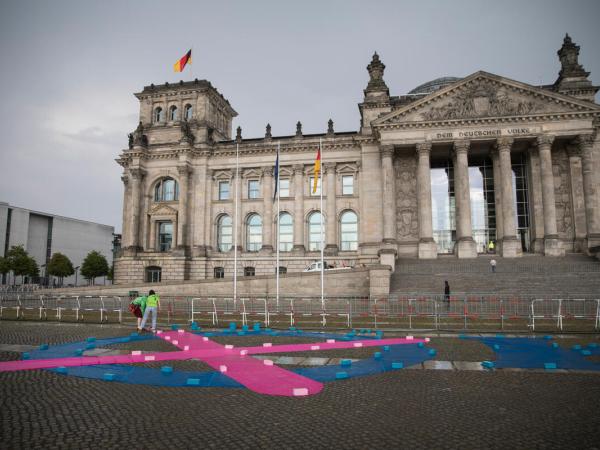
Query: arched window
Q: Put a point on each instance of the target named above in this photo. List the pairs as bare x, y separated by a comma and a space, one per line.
349, 231
153, 274
249, 271
219, 272
166, 190
254, 233
314, 232
159, 115
286, 232
188, 112
173, 113
224, 234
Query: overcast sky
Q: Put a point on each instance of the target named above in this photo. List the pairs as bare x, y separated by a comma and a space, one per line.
69, 69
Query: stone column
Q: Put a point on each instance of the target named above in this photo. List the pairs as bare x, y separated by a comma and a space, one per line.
267, 184
427, 246
136, 175
200, 196
535, 199
511, 246
388, 186
331, 247
590, 191
577, 196
182, 215
465, 245
552, 245
126, 207
298, 208
497, 197
209, 224
238, 215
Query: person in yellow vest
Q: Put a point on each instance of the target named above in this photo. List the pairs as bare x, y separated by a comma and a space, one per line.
152, 305
491, 247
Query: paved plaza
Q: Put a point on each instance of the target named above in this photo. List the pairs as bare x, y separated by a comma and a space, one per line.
407, 408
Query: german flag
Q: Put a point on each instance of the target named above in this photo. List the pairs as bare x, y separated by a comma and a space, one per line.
317, 170
180, 65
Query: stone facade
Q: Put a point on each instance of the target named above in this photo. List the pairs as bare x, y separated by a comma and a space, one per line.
186, 204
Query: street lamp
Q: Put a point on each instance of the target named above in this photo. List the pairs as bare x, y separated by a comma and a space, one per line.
76, 269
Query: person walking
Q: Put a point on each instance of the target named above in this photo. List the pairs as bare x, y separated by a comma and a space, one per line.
491, 247
493, 265
138, 308
152, 305
447, 294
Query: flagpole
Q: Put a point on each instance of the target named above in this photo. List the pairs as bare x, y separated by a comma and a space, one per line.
278, 194
235, 223
321, 210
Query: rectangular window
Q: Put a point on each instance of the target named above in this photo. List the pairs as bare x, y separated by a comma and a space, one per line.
223, 190
165, 236
253, 189
284, 188
312, 184
348, 185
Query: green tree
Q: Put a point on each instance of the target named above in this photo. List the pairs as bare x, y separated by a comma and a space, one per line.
21, 263
94, 265
60, 266
4, 267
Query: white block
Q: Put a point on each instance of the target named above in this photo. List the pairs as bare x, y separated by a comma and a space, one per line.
267, 362
300, 391
330, 341
267, 344
223, 369
181, 331
358, 344
243, 352
175, 342
186, 348
409, 338
229, 346
136, 352
427, 339
149, 358
167, 338
314, 347
159, 332
204, 338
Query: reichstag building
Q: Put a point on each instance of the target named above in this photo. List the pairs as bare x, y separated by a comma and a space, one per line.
447, 168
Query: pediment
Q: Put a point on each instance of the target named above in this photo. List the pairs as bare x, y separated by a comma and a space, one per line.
252, 173
347, 168
162, 210
222, 175
484, 95
285, 172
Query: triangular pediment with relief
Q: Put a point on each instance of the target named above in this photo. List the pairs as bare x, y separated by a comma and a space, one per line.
162, 210
484, 95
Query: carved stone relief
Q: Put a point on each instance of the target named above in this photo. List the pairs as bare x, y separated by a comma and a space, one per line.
407, 220
564, 209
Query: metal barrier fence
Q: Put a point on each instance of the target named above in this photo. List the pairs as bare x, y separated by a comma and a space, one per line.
475, 311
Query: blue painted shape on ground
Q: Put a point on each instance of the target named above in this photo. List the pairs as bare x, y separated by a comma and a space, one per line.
532, 353
397, 365
166, 370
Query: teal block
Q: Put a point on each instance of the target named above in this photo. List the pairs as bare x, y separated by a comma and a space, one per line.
244, 327
420, 345
61, 369
232, 325
586, 352
193, 382
576, 347
397, 365
44, 347
79, 352
166, 370
549, 365
346, 362
257, 327
341, 375
432, 352
292, 328
377, 355
298, 331
555, 345
386, 348
368, 330
496, 347
91, 339
174, 327
109, 377
90, 347
488, 364
194, 326
26, 355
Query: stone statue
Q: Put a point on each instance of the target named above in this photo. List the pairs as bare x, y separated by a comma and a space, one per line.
299, 129
130, 139
138, 138
330, 127
186, 131
268, 131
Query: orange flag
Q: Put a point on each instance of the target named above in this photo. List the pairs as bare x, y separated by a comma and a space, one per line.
317, 170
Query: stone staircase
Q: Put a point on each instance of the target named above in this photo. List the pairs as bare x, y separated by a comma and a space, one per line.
575, 275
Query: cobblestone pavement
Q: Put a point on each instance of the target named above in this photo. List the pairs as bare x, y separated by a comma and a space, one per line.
402, 409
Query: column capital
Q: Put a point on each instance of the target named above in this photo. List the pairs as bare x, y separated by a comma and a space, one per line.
137, 173
461, 146
423, 148
504, 144
545, 140
329, 167
184, 170
387, 150
298, 169
125, 179
267, 171
585, 141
